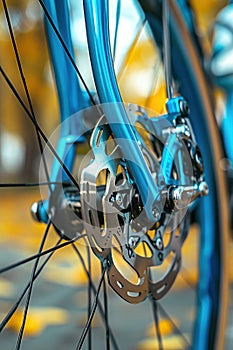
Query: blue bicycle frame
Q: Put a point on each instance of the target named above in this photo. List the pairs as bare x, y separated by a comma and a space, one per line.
106, 83
96, 17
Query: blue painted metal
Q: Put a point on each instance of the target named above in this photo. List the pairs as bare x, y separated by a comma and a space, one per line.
96, 12
96, 16
209, 260
71, 97
173, 106
207, 296
227, 127
169, 153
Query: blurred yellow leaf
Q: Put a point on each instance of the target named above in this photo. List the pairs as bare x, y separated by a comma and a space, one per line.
6, 287
165, 328
173, 342
38, 319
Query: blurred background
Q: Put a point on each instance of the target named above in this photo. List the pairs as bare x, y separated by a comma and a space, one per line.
20, 158
16, 158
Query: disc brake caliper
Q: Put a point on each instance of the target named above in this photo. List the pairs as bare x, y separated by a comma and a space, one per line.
112, 217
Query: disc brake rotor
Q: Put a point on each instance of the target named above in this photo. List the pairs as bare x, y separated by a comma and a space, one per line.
111, 217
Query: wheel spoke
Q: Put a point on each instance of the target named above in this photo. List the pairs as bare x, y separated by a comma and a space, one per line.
118, 11
154, 85
172, 322
156, 321
7, 15
89, 297
93, 310
132, 49
45, 252
167, 49
184, 274
94, 290
106, 311
42, 134
66, 51
31, 282
23, 79
93, 293
28, 184
15, 306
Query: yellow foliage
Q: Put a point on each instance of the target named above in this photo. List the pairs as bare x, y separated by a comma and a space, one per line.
73, 276
141, 78
165, 328
38, 319
6, 287
173, 342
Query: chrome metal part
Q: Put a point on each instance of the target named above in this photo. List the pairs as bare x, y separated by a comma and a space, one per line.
39, 211
100, 215
203, 188
182, 196
183, 131
113, 218
64, 211
34, 211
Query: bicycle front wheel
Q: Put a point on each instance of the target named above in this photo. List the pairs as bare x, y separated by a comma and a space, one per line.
176, 325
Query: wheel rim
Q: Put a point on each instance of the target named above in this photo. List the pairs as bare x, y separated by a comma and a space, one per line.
224, 220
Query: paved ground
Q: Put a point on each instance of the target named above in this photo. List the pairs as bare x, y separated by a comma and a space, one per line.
60, 298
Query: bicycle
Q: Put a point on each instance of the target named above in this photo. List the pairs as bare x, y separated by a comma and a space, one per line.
154, 169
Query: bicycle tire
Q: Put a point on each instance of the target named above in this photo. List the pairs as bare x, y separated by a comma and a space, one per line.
187, 70
185, 54
216, 203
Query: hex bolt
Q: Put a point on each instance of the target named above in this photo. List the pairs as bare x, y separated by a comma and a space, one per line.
132, 242
183, 131
119, 199
160, 256
203, 188
159, 243
184, 108
156, 213
198, 159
